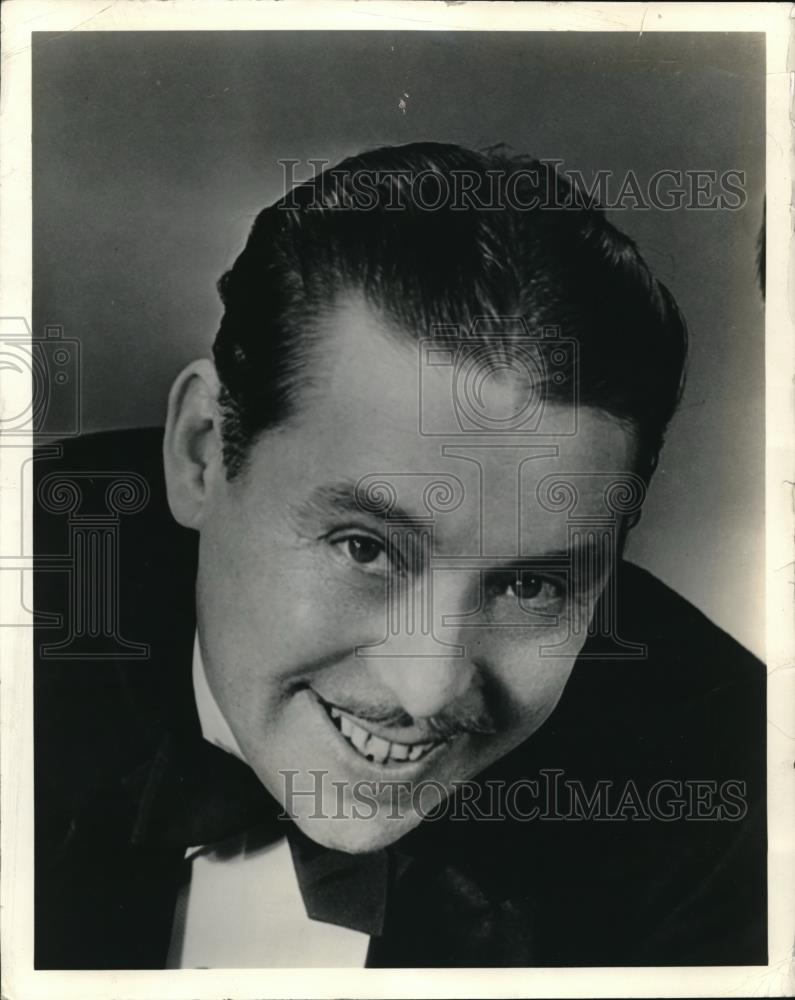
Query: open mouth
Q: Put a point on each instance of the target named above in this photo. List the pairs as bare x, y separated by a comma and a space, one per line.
374, 748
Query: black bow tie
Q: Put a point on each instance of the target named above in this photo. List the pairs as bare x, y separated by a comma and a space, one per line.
193, 793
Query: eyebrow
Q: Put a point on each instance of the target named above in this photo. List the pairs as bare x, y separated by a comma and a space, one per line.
556, 558
346, 497
343, 497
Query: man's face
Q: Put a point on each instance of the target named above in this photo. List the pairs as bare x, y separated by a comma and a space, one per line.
390, 637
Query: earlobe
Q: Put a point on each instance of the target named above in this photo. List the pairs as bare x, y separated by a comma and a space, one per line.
192, 456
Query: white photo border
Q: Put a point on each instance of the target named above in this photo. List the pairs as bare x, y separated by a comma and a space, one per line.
20, 981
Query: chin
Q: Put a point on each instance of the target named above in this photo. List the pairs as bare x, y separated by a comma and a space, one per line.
357, 836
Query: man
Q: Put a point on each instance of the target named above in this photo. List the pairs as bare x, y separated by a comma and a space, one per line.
424, 713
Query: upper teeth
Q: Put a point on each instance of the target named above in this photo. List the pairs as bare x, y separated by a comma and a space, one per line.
374, 747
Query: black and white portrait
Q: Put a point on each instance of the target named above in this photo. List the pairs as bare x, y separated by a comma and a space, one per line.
397, 593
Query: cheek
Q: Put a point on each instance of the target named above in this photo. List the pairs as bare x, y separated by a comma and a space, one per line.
281, 605
533, 686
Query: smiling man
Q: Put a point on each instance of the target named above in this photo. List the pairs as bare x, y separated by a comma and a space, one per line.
280, 636
424, 714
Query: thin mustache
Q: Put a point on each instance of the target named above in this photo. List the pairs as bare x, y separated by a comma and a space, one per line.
447, 726
444, 725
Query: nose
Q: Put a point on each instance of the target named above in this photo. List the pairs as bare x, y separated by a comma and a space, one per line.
424, 685
427, 673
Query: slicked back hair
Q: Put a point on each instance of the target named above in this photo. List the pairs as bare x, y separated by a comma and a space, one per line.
520, 245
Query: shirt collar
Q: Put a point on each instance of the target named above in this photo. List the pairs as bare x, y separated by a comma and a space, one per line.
215, 729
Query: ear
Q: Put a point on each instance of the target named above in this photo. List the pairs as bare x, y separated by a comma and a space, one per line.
192, 454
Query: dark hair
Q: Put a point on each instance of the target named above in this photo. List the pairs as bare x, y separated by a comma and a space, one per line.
519, 244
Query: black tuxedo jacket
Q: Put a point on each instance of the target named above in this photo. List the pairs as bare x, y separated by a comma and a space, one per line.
121, 771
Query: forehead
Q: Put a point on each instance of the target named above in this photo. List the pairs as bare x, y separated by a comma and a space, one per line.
377, 412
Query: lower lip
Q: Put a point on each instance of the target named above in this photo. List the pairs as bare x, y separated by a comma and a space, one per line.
392, 769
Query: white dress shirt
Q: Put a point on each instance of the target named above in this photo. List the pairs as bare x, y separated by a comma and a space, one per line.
242, 907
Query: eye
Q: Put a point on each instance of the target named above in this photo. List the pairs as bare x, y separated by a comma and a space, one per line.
526, 586
531, 590
363, 550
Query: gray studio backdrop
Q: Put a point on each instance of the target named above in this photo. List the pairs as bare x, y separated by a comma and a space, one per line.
154, 151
